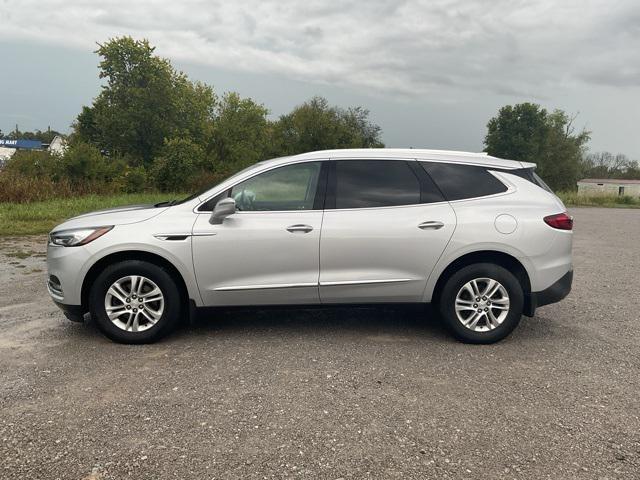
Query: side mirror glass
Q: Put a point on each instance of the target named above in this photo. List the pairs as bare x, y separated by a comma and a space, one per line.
224, 208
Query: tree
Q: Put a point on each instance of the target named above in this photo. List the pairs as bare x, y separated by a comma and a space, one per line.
315, 125
44, 136
175, 168
527, 132
608, 165
144, 101
360, 131
82, 163
241, 132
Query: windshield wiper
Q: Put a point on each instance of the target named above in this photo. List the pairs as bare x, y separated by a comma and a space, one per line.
166, 203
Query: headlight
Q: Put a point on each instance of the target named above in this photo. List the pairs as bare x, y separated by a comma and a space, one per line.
77, 236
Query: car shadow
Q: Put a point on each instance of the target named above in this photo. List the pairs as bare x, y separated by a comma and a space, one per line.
393, 322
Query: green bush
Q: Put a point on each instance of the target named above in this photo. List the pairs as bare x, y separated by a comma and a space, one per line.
175, 167
133, 179
83, 162
18, 188
38, 175
34, 164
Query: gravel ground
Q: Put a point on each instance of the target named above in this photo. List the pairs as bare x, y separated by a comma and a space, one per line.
341, 393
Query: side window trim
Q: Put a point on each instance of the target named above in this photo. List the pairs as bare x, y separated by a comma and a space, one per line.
204, 207
427, 185
332, 182
321, 191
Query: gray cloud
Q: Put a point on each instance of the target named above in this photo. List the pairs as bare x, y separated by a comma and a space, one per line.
399, 47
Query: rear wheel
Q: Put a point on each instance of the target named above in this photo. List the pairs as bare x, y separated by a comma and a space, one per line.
481, 303
135, 302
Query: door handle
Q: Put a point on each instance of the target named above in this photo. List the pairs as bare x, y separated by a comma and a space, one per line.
299, 228
432, 225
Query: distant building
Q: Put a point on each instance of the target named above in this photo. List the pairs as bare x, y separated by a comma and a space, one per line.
58, 145
21, 144
609, 186
5, 154
9, 146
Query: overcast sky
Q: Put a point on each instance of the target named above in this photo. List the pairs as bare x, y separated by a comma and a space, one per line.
431, 72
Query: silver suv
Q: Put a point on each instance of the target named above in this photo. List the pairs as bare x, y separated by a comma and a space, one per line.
482, 238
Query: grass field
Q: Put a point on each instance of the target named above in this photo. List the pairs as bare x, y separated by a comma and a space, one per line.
41, 217
572, 199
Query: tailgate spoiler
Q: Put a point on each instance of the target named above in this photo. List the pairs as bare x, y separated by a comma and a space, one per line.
528, 165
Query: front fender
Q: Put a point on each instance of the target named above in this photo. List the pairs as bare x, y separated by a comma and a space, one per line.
177, 253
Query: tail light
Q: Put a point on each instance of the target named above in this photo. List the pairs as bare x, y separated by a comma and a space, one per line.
561, 221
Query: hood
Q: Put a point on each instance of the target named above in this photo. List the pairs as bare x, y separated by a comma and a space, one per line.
112, 216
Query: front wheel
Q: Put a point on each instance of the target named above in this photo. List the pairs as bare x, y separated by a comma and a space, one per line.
481, 303
135, 302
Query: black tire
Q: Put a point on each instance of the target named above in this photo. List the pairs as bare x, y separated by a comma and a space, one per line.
453, 285
172, 301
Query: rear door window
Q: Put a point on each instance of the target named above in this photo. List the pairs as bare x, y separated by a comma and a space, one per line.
375, 183
458, 182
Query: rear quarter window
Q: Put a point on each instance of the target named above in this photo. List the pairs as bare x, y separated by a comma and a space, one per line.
541, 183
530, 175
458, 182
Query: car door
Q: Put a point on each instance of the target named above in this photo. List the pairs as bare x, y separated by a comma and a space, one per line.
384, 228
268, 251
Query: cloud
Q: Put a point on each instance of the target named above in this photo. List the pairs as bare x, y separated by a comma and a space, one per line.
406, 48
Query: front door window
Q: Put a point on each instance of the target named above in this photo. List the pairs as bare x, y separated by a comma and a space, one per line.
292, 187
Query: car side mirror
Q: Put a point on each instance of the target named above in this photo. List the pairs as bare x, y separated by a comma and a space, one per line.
224, 208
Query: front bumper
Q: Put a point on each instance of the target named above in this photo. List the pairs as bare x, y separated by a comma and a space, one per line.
65, 266
552, 294
65, 269
75, 313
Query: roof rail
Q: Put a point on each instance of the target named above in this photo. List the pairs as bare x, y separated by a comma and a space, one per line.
451, 152
424, 151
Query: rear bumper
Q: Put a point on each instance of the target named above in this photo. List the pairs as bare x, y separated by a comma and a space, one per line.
552, 294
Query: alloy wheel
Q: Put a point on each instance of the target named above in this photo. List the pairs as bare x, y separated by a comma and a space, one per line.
134, 303
482, 304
